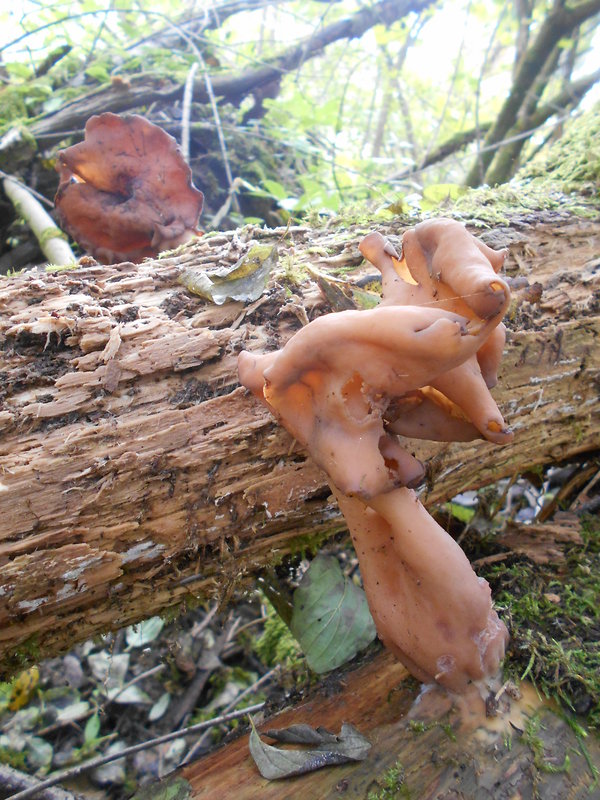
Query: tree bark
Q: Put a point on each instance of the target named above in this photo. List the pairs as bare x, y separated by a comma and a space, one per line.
135, 473
506, 162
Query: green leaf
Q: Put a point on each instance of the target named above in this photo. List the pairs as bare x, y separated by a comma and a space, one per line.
98, 72
274, 188
92, 728
18, 70
331, 618
274, 763
144, 632
462, 513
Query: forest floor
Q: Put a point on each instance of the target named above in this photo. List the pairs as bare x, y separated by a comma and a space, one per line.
534, 538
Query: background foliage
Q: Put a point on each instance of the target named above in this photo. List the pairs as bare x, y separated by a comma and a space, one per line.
315, 107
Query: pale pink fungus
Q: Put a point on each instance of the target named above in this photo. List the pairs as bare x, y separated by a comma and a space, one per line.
419, 365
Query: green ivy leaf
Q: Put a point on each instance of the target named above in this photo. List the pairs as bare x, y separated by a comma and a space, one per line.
331, 618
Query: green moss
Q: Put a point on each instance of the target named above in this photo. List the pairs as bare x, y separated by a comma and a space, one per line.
308, 544
276, 645
292, 271
534, 741
499, 206
573, 161
13, 758
418, 727
51, 232
25, 655
392, 785
553, 612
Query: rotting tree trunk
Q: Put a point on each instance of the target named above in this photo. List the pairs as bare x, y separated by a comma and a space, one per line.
135, 473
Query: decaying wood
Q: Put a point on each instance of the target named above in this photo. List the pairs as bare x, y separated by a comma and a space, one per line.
136, 474
543, 543
436, 751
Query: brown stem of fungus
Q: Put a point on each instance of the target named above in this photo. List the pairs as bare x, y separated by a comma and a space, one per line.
349, 384
429, 607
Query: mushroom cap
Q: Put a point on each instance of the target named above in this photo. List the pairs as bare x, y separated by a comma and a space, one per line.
126, 192
443, 266
333, 381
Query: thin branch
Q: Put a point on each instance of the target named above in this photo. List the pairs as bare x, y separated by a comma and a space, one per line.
11, 780
228, 87
73, 772
505, 164
188, 94
50, 238
221, 137
242, 696
452, 145
557, 24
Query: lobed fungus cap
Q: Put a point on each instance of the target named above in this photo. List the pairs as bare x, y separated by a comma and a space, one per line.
348, 383
125, 192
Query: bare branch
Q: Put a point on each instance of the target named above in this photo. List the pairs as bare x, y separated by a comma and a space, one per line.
230, 88
559, 23
67, 774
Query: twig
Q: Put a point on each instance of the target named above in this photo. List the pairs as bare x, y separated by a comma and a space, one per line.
482, 72
72, 772
209, 662
38, 195
50, 237
221, 137
13, 780
215, 110
188, 94
242, 696
142, 676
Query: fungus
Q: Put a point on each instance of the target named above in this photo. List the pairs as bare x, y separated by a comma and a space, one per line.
420, 365
126, 192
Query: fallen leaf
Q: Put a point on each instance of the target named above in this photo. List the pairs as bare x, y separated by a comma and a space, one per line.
274, 763
245, 280
144, 632
23, 687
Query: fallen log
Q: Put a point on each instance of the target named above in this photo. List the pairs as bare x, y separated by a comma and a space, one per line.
136, 475
422, 746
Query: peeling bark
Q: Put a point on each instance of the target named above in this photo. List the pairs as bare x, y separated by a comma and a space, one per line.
135, 473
